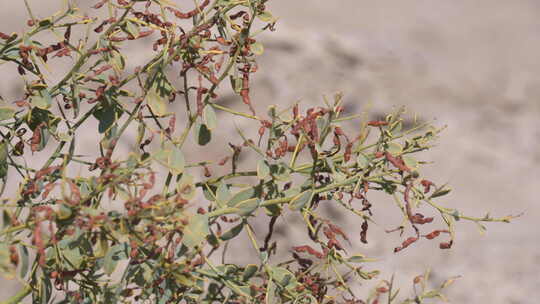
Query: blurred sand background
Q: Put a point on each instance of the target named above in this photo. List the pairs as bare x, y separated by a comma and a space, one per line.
471, 65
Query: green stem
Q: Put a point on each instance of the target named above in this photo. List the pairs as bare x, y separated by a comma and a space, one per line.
223, 108
13, 229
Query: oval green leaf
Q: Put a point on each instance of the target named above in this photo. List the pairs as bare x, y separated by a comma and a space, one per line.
410, 162
43, 100
157, 104
222, 194
232, 233
176, 161
263, 170
245, 208
196, 230
266, 17
202, 134
209, 117
299, 201
186, 186
362, 160
394, 149
241, 195
249, 272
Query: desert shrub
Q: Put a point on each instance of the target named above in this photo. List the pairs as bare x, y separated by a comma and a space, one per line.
166, 240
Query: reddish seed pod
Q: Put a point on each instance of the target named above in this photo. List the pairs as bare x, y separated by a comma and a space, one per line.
420, 219
4, 36
13, 255
145, 33
262, 129
397, 162
382, 290
207, 172
427, 185
406, 243
377, 123
224, 160
444, 245
222, 41
432, 234
363, 232
348, 152
100, 4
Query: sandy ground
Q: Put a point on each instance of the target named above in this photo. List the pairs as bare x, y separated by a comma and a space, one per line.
471, 65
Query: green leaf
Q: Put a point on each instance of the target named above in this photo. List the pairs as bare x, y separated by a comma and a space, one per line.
186, 186
202, 134
42, 100
196, 230
6, 218
440, 192
394, 148
280, 172
23, 254
46, 290
263, 170
3, 152
281, 275
156, 102
116, 253
45, 22
74, 256
223, 195
410, 162
106, 114
266, 17
236, 84
357, 258
209, 117
37, 116
249, 272
362, 160
162, 156
232, 233
257, 48
176, 161
241, 195
245, 208
299, 201
6, 113
144, 275
117, 61
64, 212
